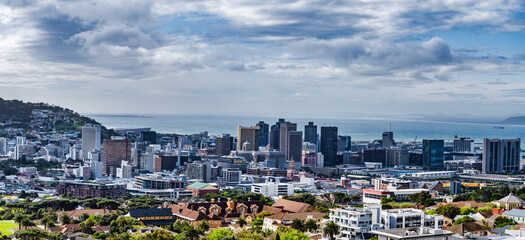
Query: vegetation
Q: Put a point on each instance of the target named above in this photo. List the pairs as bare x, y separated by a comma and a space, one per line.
331, 229
449, 210
422, 199
237, 195
464, 219
503, 221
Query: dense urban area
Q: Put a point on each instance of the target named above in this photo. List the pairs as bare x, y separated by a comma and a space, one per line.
64, 176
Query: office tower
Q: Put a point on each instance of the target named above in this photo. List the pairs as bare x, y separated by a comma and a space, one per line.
248, 134
164, 163
264, 131
344, 143
455, 187
463, 144
275, 134
377, 155
199, 171
501, 155
396, 157
3, 146
388, 140
223, 144
433, 154
148, 136
21, 141
284, 138
310, 133
114, 151
90, 139
295, 146
329, 145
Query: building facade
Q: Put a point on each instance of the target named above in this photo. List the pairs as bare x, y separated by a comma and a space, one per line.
501, 155
329, 145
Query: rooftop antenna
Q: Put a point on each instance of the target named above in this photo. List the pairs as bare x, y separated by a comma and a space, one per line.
390, 126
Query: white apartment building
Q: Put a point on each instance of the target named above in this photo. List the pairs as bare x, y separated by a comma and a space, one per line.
356, 223
273, 189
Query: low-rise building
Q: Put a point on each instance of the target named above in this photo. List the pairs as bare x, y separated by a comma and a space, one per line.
90, 189
413, 233
273, 189
285, 219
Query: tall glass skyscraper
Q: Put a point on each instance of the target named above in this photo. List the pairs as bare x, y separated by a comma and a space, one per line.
433, 154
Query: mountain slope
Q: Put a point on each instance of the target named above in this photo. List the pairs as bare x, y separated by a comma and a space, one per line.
515, 120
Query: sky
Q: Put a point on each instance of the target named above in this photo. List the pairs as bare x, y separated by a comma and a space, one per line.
369, 58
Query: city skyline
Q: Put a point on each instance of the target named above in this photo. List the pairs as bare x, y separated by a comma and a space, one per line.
342, 59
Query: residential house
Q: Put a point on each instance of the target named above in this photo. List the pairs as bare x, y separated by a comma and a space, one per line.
285, 219
509, 202
518, 215
469, 228
292, 206
77, 214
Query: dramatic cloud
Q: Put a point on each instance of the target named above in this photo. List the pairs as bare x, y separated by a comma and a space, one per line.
305, 53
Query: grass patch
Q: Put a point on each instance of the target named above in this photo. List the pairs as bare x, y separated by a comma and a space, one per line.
6, 226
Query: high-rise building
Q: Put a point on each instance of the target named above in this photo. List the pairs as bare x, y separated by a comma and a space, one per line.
329, 145
3, 146
248, 134
275, 134
388, 140
344, 143
433, 154
310, 133
264, 131
396, 157
164, 163
149, 136
114, 151
284, 138
463, 144
295, 146
224, 144
90, 139
455, 187
501, 155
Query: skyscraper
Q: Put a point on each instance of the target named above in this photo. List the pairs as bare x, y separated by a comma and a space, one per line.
223, 144
344, 143
90, 139
295, 146
501, 155
114, 151
388, 140
329, 145
248, 134
3, 146
310, 133
463, 144
433, 153
275, 134
264, 130
284, 138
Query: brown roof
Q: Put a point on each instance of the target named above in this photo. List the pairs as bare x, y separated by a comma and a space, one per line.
467, 227
291, 206
292, 216
471, 204
271, 209
486, 214
67, 228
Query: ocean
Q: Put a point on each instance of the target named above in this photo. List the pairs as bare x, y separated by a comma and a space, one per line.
358, 129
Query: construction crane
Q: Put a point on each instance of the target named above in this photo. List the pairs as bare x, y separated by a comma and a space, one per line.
414, 143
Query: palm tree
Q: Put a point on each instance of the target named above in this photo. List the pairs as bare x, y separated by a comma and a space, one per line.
65, 219
311, 225
331, 229
241, 222
45, 220
203, 226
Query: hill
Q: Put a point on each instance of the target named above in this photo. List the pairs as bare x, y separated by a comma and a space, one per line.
43, 117
515, 120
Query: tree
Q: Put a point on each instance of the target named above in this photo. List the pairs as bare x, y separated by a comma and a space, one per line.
464, 219
108, 204
159, 235
191, 233
100, 235
503, 221
293, 234
220, 233
45, 220
449, 210
311, 225
26, 222
30, 234
419, 198
203, 226
466, 211
18, 219
331, 229
385, 200
123, 224
65, 219
242, 222
297, 224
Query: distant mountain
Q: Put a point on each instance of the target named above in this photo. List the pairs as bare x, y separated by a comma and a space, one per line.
515, 120
43, 116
